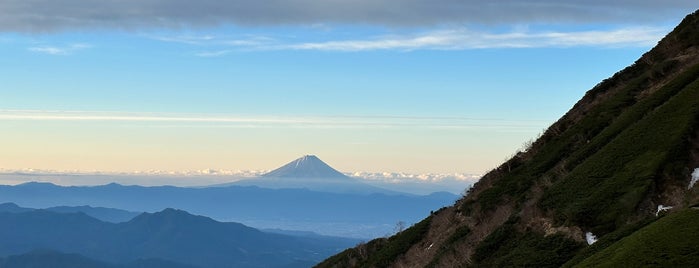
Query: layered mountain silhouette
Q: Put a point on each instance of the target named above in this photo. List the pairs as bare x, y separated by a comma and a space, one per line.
51, 259
154, 238
610, 184
104, 214
338, 214
309, 172
13, 208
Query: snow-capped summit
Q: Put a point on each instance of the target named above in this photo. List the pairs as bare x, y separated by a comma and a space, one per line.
307, 166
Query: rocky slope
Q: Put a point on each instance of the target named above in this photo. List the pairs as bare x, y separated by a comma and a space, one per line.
603, 170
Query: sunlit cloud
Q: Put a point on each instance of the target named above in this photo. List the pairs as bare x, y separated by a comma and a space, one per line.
421, 184
387, 176
133, 117
151, 172
226, 121
400, 177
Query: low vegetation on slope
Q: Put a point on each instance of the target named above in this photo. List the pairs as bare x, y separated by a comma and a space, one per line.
669, 242
507, 247
605, 189
379, 252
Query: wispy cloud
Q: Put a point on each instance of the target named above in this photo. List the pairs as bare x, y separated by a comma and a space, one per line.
230, 44
447, 39
215, 121
59, 50
135, 117
217, 45
464, 39
212, 54
245, 40
184, 39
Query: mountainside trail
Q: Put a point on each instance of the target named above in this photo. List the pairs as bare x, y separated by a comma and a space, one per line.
624, 152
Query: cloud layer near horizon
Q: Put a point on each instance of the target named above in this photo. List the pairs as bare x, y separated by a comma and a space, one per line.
48, 15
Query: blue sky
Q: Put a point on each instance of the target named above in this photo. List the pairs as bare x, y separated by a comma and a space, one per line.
365, 85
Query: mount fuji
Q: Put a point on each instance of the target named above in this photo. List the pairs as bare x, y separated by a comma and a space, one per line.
309, 172
308, 166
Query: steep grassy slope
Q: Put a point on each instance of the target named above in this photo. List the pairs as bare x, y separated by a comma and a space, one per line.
628, 146
669, 242
605, 189
381, 252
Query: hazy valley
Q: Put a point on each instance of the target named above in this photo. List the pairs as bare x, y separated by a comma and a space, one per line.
307, 210
328, 203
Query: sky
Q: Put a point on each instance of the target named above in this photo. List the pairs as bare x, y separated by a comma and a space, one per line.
412, 86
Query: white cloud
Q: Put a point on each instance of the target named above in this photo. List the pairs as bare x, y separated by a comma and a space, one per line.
465, 39
419, 183
411, 183
386, 176
645, 36
247, 40
49, 50
185, 39
152, 172
444, 39
59, 50
212, 54
398, 177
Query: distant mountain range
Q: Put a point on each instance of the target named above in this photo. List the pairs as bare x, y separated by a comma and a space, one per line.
307, 172
348, 215
304, 195
169, 238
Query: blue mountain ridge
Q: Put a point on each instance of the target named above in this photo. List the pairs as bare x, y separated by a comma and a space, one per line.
168, 235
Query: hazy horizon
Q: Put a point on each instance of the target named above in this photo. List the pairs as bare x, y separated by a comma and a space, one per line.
422, 183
